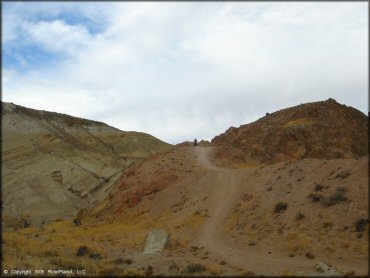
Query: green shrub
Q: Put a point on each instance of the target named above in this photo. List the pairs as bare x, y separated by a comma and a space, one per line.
281, 206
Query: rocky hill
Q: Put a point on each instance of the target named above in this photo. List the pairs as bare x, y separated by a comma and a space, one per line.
323, 130
54, 164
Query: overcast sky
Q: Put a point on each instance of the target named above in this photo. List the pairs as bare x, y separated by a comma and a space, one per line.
180, 70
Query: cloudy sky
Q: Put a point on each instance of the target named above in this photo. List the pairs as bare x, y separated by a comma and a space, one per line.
180, 70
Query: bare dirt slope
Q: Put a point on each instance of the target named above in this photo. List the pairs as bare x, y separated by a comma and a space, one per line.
228, 188
55, 164
221, 221
230, 213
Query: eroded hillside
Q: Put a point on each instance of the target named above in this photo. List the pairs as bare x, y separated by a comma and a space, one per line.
55, 164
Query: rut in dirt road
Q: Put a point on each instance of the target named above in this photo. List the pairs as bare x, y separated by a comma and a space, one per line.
226, 189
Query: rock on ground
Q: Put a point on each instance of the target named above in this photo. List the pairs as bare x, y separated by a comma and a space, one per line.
323, 269
156, 241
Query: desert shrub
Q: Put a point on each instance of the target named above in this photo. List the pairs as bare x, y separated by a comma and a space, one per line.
350, 273
281, 206
299, 216
310, 256
341, 189
95, 256
119, 261
319, 187
50, 253
316, 197
334, 199
112, 272
82, 250
149, 271
343, 174
173, 266
361, 225
327, 224
67, 263
248, 273
106, 180
193, 268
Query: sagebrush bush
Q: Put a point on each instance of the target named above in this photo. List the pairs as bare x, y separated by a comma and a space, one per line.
342, 189
281, 206
327, 224
193, 268
361, 225
319, 187
299, 216
343, 174
334, 199
316, 197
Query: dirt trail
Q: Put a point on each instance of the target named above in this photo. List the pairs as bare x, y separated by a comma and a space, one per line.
226, 188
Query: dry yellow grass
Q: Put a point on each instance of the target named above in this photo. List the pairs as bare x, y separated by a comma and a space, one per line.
56, 244
214, 269
299, 122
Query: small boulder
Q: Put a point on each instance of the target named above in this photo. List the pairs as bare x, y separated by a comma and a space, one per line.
326, 270
156, 241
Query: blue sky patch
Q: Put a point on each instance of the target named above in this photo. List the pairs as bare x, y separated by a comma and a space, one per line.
24, 54
29, 57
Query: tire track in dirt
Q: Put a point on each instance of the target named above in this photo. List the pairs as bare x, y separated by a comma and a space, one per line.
226, 188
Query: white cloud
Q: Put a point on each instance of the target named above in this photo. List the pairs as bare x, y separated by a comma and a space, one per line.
58, 36
183, 70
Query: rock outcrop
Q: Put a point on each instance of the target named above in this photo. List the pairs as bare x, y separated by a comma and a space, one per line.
323, 130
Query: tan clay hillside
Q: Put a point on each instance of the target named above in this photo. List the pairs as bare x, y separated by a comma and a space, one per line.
55, 164
323, 130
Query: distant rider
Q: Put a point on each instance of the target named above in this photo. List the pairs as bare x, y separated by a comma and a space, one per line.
195, 142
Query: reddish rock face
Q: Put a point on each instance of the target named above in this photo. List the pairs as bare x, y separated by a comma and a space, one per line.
324, 130
134, 199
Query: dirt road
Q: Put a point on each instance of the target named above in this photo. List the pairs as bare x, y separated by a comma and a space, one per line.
226, 188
